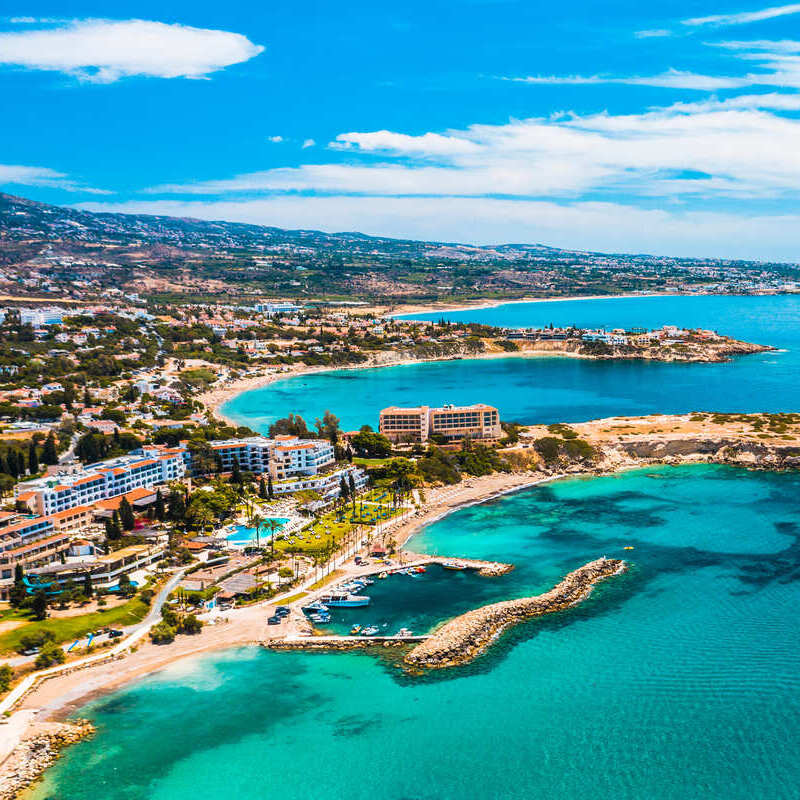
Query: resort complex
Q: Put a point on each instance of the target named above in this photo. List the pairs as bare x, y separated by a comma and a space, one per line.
451, 423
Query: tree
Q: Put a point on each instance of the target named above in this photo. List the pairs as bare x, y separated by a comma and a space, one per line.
6, 676
17, 593
270, 489
190, 624
344, 489
113, 531
125, 587
371, 444
236, 473
126, 515
50, 453
33, 458
162, 633
177, 505
160, 510
50, 654
88, 589
328, 427
39, 605
262, 488
351, 483
22, 467
293, 425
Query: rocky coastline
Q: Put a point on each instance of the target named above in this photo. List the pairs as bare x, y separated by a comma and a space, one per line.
37, 751
465, 637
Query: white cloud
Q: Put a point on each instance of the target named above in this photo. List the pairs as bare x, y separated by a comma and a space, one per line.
744, 17
736, 146
656, 33
307, 143
275, 139
42, 176
429, 144
671, 79
583, 225
106, 50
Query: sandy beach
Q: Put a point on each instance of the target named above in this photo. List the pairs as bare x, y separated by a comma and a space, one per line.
430, 308
63, 695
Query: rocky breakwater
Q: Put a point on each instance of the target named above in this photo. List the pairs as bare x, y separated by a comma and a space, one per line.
464, 638
38, 750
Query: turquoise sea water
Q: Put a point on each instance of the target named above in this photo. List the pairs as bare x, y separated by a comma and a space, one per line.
562, 389
680, 679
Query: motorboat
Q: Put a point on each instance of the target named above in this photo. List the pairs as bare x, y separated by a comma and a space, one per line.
404, 633
370, 631
345, 600
356, 629
315, 607
455, 565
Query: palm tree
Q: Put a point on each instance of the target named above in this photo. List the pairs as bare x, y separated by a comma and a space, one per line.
272, 524
255, 521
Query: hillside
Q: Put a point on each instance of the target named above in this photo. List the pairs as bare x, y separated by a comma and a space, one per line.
52, 248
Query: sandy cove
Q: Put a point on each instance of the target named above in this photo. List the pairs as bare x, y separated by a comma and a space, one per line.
216, 397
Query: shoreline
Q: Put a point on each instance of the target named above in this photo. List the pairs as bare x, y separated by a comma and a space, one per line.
62, 696
478, 305
217, 397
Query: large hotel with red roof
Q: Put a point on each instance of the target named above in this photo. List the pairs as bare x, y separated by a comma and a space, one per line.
66, 504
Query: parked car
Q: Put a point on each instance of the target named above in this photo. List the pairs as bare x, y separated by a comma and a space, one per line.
274, 620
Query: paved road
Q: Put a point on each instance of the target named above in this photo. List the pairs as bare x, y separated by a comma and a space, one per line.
150, 619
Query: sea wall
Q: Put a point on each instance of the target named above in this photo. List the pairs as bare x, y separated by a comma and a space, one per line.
465, 637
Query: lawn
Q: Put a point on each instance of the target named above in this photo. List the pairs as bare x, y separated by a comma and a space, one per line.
68, 629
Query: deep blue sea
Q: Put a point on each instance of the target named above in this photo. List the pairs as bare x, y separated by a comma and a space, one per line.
678, 680
533, 390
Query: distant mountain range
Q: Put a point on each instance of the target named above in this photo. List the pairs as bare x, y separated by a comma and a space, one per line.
60, 248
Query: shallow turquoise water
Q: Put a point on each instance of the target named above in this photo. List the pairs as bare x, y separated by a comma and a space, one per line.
681, 679
561, 389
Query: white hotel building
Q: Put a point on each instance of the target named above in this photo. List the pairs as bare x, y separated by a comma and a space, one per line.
147, 467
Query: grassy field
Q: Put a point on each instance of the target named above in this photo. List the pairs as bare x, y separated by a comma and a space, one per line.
68, 629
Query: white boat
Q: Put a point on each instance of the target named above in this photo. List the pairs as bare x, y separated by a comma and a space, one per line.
345, 600
370, 631
404, 633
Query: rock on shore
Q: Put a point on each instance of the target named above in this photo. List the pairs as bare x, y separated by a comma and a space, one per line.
462, 639
38, 750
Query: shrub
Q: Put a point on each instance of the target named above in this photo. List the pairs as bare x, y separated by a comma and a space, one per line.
50, 654
190, 624
162, 633
6, 676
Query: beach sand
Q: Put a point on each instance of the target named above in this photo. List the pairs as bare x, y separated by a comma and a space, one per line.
63, 695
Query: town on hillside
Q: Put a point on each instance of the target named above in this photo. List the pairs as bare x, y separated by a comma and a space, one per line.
118, 475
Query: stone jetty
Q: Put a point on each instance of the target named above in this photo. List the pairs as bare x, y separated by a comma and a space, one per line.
465, 637
38, 750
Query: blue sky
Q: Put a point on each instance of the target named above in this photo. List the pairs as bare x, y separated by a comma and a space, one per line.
666, 127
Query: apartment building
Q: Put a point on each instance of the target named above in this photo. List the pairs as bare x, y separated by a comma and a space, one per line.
452, 422
281, 457
146, 467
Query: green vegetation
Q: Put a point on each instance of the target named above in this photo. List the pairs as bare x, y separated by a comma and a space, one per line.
67, 629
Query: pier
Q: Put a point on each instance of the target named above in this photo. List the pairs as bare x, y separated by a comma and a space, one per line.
467, 636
